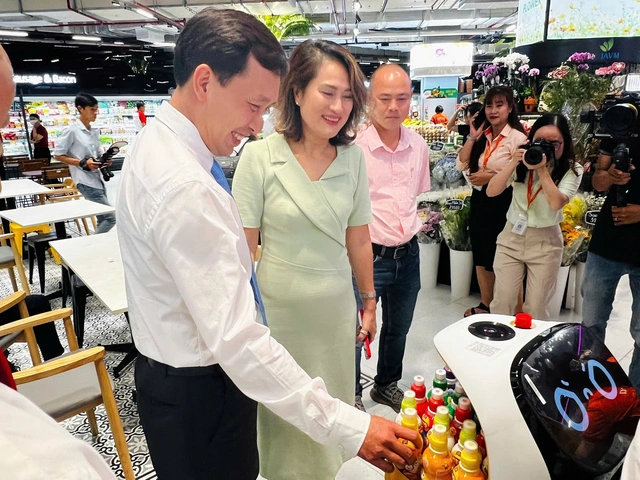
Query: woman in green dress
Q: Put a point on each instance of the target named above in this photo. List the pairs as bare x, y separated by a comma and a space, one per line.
305, 191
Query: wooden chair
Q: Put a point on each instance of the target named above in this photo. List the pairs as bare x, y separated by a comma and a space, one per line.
71, 384
12, 165
18, 298
9, 258
33, 168
53, 173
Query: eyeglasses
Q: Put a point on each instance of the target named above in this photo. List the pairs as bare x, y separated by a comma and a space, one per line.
557, 145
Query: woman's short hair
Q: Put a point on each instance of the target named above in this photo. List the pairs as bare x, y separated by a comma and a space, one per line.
34, 115
304, 64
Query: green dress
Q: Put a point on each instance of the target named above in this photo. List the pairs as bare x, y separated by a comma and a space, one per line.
305, 279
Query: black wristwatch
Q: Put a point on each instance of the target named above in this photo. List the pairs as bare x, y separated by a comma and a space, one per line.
83, 165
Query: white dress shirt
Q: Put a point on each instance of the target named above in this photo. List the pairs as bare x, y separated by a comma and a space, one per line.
34, 447
188, 268
79, 142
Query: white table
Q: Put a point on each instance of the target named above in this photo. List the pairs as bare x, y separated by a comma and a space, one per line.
96, 260
21, 187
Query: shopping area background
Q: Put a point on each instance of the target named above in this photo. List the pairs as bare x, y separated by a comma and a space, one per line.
442, 203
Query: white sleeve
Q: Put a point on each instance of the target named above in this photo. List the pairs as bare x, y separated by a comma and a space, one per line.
64, 142
204, 254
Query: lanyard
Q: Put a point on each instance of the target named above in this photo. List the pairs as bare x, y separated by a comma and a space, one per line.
530, 198
489, 151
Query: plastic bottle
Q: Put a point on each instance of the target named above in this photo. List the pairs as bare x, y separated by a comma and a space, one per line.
451, 378
421, 394
409, 400
463, 412
410, 420
442, 418
458, 392
468, 432
436, 459
469, 467
436, 400
440, 380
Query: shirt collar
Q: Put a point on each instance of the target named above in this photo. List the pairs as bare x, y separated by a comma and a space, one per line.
82, 126
374, 141
504, 133
186, 131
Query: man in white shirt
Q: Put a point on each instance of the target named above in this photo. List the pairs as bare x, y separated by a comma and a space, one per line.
194, 314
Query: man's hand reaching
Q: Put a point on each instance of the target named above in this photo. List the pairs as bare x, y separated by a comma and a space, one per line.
382, 448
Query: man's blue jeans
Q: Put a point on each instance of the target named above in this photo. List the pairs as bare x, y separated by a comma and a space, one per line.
98, 195
397, 283
601, 278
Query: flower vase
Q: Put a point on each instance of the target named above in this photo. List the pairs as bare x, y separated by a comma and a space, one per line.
530, 104
461, 265
556, 301
429, 259
577, 304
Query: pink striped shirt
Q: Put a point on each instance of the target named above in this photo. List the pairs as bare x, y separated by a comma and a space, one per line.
396, 178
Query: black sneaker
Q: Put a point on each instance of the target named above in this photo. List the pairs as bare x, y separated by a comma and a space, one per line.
358, 404
389, 395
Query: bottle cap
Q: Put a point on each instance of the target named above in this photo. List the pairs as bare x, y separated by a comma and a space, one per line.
449, 373
459, 390
442, 416
438, 439
468, 431
410, 418
437, 393
464, 403
418, 380
441, 374
409, 395
470, 458
523, 320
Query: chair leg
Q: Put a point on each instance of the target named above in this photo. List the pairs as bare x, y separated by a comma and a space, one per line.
86, 226
79, 305
41, 253
93, 423
32, 261
12, 277
114, 420
66, 285
20, 267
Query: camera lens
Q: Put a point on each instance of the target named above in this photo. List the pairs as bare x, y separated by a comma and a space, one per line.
533, 156
620, 119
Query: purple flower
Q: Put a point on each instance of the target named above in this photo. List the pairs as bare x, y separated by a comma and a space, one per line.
583, 66
534, 72
524, 68
581, 58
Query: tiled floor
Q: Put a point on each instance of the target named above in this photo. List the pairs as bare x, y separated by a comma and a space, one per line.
434, 311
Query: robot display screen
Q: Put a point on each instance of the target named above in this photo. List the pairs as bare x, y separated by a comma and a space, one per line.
582, 396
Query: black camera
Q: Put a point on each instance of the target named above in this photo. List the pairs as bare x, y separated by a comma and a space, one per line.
538, 148
111, 152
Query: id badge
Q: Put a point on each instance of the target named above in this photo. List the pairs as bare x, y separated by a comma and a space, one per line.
520, 226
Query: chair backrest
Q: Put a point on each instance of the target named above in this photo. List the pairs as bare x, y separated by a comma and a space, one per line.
27, 165
55, 172
26, 335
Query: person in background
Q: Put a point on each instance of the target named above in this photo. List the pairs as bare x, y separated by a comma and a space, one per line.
79, 146
196, 311
440, 118
631, 465
469, 113
305, 191
487, 151
39, 138
392, 152
34, 445
140, 119
531, 241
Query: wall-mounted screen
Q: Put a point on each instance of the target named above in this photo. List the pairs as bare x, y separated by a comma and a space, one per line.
593, 19
532, 15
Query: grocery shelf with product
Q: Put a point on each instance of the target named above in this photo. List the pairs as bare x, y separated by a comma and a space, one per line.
115, 119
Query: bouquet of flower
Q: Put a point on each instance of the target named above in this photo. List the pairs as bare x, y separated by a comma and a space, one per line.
445, 171
575, 234
592, 206
455, 224
431, 216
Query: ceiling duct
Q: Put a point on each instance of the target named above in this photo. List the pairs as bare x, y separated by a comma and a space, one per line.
156, 34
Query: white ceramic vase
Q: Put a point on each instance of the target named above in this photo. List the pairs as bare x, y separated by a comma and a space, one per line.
461, 265
429, 259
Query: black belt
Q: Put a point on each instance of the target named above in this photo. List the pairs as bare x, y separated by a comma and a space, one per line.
185, 371
393, 252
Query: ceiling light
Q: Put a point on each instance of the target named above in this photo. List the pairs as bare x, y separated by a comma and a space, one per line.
32, 60
13, 33
364, 63
118, 43
163, 44
55, 60
511, 28
144, 13
394, 59
86, 38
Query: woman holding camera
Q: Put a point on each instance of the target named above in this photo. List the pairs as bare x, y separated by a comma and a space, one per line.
468, 114
544, 177
491, 145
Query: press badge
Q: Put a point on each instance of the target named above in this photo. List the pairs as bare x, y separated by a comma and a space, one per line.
520, 226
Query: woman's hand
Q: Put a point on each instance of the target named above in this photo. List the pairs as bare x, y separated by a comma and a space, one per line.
369, 326
473, 131
480, 178
539, 166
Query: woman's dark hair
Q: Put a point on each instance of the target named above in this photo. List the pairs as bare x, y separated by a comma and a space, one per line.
473, 108
561, 165
439, 109
85, 100
513, 121
223, 40
139, 105
34, 115
304, 64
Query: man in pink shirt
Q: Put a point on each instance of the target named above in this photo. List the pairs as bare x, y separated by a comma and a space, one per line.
398, 168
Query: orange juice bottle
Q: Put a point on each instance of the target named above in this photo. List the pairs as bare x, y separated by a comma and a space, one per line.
469, 467
436, 459
468, 432
410, 420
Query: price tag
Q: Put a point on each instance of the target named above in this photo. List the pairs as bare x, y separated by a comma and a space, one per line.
436, 146
451, 155
591, 217
454, 204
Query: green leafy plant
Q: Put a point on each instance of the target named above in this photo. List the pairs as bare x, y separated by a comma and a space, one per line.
283, 26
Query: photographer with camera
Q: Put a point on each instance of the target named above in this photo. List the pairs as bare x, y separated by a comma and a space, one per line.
544, 176
79, 147
614, 250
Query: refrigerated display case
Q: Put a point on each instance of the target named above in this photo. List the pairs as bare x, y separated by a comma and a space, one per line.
115, 119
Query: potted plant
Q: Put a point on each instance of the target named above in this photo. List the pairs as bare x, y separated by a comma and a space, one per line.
429, 238
455, 230
530, 90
